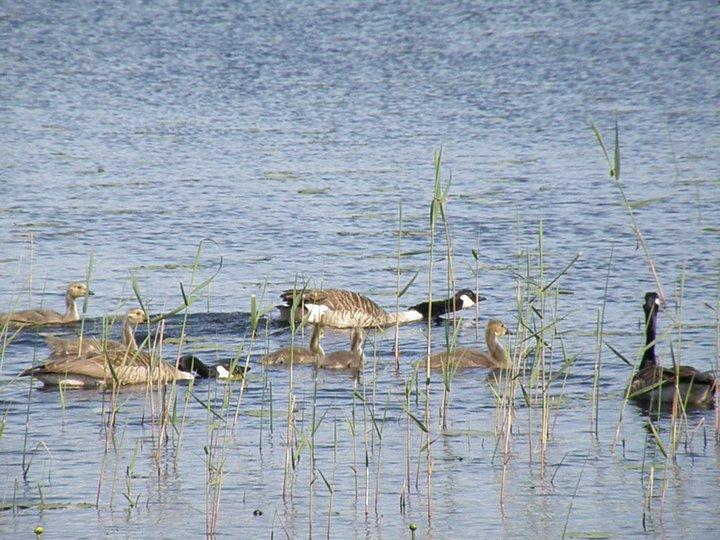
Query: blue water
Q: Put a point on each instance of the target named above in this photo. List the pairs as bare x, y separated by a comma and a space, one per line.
291, 135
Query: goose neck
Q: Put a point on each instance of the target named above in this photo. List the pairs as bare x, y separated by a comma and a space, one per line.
71, 311
648, 358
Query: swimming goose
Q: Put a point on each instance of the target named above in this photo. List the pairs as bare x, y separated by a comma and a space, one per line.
94, 369
190, 363
133, 318
468, 358
339, 308
40, 316
354, 359
298, 355
653, 384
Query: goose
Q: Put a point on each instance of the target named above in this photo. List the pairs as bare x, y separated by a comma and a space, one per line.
339, 308
354, 359
298, 355
468, 358
39, 316
134, 317
94, 370
190, 363
654, 384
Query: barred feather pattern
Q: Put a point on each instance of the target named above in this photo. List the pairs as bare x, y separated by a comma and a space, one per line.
346, 309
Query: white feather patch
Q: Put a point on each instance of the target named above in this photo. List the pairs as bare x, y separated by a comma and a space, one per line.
315, 312
222, 373
467, 302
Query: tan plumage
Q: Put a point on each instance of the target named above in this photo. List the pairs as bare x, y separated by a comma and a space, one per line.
469, 358
653, 384
297, 355
40, 316
107, 367
353, 360
134, 317
340, 308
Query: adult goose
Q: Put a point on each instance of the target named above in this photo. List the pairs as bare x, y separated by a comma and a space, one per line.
39, 316
654, 385
190, 363
339, 308
109, 367
353, 360
494, 358
298, 355
134, 317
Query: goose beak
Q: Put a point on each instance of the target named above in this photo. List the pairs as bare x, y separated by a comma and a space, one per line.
89, 293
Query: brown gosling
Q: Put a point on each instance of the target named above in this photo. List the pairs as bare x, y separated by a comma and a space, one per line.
656, 385
339, 308
38, 316
134, 317
494, 358
352, 360
297, 355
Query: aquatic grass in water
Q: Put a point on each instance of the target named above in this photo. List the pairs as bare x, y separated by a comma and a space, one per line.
347, 447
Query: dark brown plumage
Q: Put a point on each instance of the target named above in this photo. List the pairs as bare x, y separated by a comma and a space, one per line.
655, 385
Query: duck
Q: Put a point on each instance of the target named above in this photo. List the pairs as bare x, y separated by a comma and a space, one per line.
190, 363
340, 308
494, 358
133, 318
654, 384
298, 355
40, 316
353, 360
106, 368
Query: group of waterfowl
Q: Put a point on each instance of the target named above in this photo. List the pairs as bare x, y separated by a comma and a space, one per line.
101, 362
90, 361
338, 308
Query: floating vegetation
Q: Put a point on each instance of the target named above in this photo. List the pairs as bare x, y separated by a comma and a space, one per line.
280, 175
314, 191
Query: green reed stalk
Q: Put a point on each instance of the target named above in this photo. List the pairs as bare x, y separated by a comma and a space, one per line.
600, 325
290, 432
453, 323
614, 165
396, 341
572, 500
331, 485
435, 207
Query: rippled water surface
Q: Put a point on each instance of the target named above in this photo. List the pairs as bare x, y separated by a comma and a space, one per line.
291, 135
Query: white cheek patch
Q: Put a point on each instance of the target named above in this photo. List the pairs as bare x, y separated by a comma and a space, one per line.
315, 312
222, 373
657, 302
466, 301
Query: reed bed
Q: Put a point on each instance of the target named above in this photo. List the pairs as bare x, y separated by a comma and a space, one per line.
379, 448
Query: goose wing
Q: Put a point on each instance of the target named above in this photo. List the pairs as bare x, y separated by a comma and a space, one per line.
88, 366
32, 316
687, 375
338, 307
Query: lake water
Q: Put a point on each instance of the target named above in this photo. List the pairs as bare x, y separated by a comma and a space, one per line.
291, 134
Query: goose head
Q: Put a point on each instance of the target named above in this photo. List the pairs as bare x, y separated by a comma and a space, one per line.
78, 290
652, 302
189, 363
497, 328
136, 316
467, 298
